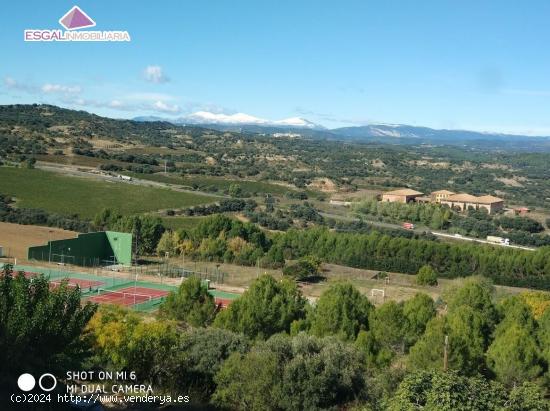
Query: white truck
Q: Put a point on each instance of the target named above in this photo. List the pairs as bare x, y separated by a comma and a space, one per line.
498, 240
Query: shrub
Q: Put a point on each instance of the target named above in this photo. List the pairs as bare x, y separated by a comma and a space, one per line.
426, 276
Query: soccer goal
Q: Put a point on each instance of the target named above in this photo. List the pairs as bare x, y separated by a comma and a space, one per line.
376, 292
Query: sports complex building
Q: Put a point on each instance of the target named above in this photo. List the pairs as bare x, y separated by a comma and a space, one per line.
89, 249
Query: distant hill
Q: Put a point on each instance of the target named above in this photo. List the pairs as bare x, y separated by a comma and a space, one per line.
39, 120
35, 120
380, 133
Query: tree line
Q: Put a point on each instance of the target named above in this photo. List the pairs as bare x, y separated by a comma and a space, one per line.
377, 251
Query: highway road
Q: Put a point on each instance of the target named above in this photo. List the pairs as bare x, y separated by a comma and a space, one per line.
420, 231
478, 240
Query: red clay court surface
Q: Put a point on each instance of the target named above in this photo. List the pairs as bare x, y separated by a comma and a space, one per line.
71, 282
222, 302
128, 296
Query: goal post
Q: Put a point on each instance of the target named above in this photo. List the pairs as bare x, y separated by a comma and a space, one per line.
376, 291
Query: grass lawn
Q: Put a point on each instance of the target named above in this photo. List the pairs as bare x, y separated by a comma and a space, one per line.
85, 197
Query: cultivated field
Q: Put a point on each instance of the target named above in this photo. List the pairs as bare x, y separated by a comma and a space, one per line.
217, 183
86, 197
16, 238
177, 222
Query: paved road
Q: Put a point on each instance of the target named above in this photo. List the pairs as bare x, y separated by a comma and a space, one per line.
79, 171
420, 231
477, 240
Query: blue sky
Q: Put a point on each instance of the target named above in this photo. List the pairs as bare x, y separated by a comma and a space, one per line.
442, 63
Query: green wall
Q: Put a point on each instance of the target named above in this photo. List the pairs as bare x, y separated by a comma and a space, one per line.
88, 249
121, 245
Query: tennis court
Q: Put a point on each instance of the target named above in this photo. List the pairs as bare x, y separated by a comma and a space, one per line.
85, 281
129, 296
84, 285
115, 289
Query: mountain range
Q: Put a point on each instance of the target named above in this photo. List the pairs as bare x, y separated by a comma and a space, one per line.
386, 133
237, 119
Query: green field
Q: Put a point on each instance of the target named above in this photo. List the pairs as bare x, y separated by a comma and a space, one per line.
86, 197
175, 223
219, 183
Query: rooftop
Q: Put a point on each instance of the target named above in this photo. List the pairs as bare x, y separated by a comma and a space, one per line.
468, 198
489, 199
443, 192
404, 192
463, 197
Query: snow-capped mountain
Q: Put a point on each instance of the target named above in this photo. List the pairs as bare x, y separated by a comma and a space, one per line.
383, 133
237, 119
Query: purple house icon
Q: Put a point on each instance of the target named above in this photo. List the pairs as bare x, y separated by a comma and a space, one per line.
75, 18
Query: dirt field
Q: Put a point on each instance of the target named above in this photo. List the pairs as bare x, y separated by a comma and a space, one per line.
16, 239
400, 287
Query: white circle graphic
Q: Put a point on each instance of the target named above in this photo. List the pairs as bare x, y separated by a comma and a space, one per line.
26, 382
47, 375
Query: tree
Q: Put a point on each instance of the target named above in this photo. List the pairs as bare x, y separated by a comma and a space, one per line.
298, 373
513, 310
147, 230
150, 351
201, 353
40, 328
191, 303
122, 340
477, 294
389, 327
418, 311
514, 356
110, 330
527, 396
538, 302
105, 219
446, 392
168, 243
30, 162
464, 328
248, 382
543, 335
342, 311
306, 267
266, 308
426, 276
235, 190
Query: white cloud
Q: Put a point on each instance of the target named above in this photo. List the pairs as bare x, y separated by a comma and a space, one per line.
13, 84
154, 74
46, 88
10, 82
116, 104
60, 88
166, 108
